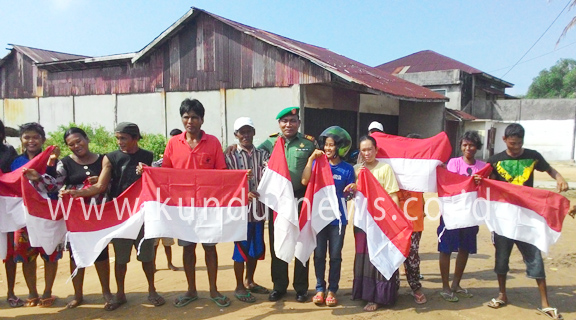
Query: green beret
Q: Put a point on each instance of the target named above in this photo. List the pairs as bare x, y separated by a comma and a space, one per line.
287, 111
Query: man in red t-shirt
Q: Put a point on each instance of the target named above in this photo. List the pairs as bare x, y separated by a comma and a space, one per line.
195, 149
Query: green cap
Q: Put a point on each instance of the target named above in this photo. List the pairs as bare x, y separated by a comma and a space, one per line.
287, 111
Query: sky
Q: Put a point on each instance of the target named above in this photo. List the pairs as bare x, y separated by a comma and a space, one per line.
490, 35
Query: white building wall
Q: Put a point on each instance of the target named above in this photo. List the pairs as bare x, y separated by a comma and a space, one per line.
55, 111
95, 111
262, 105
19, 111
146, 110
552, 138
379, 104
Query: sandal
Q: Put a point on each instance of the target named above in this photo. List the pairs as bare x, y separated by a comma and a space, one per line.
371, 307
463, 293
450, 297
183, 301
248, 297
318, 298
32, 302
47, 302
496, 303
221, 301
114, 304
331, 300
156, 301
419, 298
258, 289
551, 313
15, 302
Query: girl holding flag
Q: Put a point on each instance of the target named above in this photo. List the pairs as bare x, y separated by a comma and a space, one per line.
369, 284
74, 172
336, 143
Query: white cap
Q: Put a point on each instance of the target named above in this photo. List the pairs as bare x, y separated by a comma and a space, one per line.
376, 125
243, 121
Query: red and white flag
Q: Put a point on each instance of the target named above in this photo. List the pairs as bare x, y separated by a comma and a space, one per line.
276, 192
458, 196
414, 161
387, 229
200, 206
90, 226
522, 213
12, 211
319, 209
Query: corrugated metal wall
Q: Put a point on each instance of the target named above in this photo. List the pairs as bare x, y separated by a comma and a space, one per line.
204, 55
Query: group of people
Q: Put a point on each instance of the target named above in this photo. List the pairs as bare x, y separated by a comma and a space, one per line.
85, 174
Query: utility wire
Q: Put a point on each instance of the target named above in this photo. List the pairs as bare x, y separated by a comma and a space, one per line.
558, 16
540, 56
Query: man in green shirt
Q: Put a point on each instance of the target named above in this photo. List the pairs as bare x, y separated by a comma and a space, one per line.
298, 148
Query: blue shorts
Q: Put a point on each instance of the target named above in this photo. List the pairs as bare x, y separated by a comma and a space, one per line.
254, 246
530, 254
453, 240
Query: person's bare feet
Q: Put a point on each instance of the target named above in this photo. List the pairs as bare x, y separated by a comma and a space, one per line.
74, 303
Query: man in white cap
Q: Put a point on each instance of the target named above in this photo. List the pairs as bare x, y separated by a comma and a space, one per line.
375, 126
247, 157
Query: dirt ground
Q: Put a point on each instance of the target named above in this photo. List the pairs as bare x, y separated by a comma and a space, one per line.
479, 278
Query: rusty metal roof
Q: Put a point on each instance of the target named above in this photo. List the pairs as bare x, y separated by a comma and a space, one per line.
40, 55
460, 115
423, 61
343, 67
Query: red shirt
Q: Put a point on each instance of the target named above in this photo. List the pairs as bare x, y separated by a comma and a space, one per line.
206, 155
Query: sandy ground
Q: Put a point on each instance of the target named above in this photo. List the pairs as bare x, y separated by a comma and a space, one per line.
478, 278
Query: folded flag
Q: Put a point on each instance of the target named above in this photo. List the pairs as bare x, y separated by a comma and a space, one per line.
319, 209
387, 229
458, 196
522, 213
200, 206
12, 211
276, 192
414, 161
210, 205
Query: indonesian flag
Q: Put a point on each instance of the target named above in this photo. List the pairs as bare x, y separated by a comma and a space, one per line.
90, 226
319, 209
276, 192
458, 196
12, 211
387, 229
522, 213
414, 161
200, 206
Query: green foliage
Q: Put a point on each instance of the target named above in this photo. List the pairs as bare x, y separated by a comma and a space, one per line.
558, 82
102, 141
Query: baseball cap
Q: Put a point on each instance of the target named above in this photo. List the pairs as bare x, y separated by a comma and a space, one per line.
243, 121
376, 125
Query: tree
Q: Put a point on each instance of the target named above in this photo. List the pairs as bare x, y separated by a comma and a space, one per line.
558, 82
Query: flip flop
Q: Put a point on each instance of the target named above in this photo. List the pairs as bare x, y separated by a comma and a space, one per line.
47, 302
258, 289
554, 311
318, 298
183, 301
114, 304
419, 298
157, 301
248, 297
73, 304
32, 302
496, 303
371, 307
331, 300
450, 297
221, 301
463, 293
15, 302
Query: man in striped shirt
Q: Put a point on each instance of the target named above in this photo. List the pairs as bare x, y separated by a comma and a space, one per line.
247, 157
